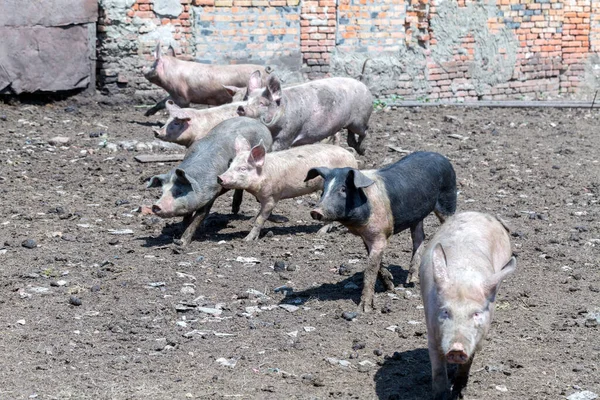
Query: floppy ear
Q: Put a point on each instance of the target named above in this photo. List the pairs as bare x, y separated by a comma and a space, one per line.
440, 271
156, 181
171, 51
255, 81
257, 155
360, 180
157, 52
241, 144
177, 112
274, 87
314, 172
182, 177
492, 284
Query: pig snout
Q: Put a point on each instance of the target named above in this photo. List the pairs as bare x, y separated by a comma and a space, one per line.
241, 112
156, 209
317, 214
157, 133
457, 354
220, 180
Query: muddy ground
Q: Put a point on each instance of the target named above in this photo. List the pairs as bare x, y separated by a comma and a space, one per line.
139, 333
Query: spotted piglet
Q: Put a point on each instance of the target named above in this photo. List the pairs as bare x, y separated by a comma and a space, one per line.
375, 204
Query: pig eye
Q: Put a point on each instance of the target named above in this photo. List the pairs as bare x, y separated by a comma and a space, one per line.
477, 315
243, 168
343, 189
444, 314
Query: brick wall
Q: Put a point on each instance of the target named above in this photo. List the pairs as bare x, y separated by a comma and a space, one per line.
416, 49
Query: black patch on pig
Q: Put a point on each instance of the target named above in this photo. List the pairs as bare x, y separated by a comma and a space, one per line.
418, 184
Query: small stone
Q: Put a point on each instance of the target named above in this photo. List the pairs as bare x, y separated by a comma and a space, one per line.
95, 288
359, 345
59, 141
230, 363
501, 388
29, 243
279, 266
349, 315
386, 309
289, 307
344, 270
350, 286
68, 237
70, 109
378, 352
365, 366
74, 300
187, 290
584, 395
113, 242
269, 234
58, 283
291, 268
121, 202
21, 322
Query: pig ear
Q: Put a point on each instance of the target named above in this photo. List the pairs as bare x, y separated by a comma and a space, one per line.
274, 87
360, 180
182, 177
177, 112
171, 51
156, 181
157, 52
440, 272
232, 90
323, 172
241, 144
492, 284
255, 81
257, 155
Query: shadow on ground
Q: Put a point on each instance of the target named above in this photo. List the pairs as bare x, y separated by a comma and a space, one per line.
404, 376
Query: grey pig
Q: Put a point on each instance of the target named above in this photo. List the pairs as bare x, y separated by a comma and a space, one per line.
461, 271
190, 189
310, 112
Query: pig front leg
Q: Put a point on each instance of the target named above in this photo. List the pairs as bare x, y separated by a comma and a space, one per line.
238, 194
417, 235
439, 373
461, 378
161, 105
266, 207
371, 272
195, 222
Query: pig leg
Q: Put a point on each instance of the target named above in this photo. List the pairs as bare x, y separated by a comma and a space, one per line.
361, 132
417, 235
439, 374
161, 105
237, 200
460, 378
266, 208
195, 222
375, 248
387, 278
325, 229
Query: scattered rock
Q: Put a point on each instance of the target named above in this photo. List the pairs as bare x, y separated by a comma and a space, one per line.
344, 270
121, 202
279, 266
29, 243
58, 283
230, 363
365, 366
501, 388
74, 300
113, 241
212, 311
349, 315
21, 322
59, 141
378, 352
350, 286
289, 307
68, 237
584, 395
291, 268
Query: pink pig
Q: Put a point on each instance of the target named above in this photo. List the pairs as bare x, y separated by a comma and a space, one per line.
460, 273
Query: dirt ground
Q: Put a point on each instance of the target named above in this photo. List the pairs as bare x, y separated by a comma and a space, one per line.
88, 313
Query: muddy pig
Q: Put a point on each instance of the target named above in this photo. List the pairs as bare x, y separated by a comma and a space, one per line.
280, 175
460, 274
192, 82
310, 112
374, 204
191, 188
186, 125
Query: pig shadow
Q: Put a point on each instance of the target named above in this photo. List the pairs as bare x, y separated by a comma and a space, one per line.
148, 124
339, 291
404, 376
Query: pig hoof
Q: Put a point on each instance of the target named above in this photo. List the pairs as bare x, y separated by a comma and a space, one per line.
278, 219
181, 242
252, 236
325, 229
366, 306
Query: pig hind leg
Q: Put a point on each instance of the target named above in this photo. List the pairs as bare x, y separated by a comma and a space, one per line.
361, 132
446, 204
417, 235
238, 194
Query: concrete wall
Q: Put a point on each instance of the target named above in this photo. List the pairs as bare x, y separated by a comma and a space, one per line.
414, 49
47, 46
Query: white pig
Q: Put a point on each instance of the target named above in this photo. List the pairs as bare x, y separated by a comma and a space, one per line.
460, 273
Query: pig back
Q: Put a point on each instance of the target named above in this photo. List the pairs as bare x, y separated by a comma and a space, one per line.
476, 245
415, 184
211, 155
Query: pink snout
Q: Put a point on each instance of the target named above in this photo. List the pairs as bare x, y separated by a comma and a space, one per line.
317, 214
157, 133
241, 112
457, 354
